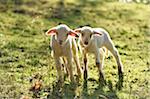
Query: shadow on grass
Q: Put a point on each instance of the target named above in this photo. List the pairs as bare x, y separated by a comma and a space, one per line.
100, 91
61, 90
56, 91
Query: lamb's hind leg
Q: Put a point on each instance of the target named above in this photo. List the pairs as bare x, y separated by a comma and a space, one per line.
79, 70
65, 66
69, 64
76, 59
99, 64
102, 56
110, 46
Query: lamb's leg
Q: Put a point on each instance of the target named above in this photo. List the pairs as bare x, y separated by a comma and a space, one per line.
102, 56
69, 64
110, 46
59, 68
99, 65
65, 66
76, 59
85, 66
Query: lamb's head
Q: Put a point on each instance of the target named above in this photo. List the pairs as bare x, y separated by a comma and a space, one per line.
86, 34
62, 32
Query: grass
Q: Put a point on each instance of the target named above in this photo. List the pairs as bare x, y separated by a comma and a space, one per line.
25, 53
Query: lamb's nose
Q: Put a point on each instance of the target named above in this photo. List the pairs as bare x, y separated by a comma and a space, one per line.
60, 42
86, 43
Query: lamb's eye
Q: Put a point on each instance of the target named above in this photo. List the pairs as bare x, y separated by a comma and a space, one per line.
90, 35
82, 34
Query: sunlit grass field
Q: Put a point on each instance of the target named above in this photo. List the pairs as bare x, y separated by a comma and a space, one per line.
25, 55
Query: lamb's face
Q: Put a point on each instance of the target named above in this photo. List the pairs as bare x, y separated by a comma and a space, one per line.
86, 34
62, 32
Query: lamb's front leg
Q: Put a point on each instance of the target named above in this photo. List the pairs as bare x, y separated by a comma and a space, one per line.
85, 66
99, 65
59, 68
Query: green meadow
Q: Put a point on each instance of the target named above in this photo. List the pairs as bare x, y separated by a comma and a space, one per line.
25, 55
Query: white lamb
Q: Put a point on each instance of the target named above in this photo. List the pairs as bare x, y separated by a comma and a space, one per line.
93, 40
63, 45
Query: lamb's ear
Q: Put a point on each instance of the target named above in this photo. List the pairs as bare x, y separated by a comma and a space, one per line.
78, 30
73, 33
97, 33
51, 31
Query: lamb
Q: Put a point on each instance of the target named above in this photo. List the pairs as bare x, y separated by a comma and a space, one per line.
94, 40
64, 46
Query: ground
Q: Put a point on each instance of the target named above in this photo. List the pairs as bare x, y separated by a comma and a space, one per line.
25, 56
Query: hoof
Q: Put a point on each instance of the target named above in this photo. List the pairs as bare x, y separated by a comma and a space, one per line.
72, 79
102, 79
101, 75
59, 81
120, 72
